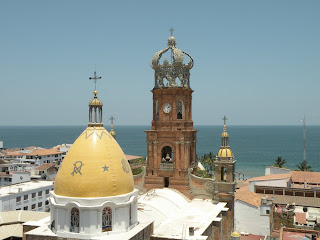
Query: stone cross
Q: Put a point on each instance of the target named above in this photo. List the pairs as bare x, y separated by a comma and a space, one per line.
171, 30
112, 118
224, 120
95, 78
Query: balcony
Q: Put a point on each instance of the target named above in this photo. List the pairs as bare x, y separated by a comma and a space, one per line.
166, 166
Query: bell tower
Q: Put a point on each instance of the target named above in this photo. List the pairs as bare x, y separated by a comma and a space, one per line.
171, 142
224, 185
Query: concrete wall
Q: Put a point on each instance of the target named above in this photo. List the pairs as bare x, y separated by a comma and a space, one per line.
247, 218
198, 187
273, 183
275, 170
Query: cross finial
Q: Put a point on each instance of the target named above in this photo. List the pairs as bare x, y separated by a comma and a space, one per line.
95, 78
171, 30
112, 118
224, 120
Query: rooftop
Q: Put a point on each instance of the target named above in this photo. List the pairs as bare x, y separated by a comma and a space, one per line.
25, 186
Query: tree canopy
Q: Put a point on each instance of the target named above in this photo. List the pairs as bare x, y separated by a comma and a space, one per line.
279, 162
303, 166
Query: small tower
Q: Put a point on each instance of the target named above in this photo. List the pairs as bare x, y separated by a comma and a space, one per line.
225, 180
112, 132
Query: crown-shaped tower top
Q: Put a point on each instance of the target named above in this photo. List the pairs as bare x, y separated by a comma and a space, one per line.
167, 73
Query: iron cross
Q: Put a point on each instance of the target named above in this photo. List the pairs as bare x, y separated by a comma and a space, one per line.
224, 120
95, 78
112, 118
171, 30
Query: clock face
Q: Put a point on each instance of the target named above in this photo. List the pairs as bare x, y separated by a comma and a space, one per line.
167, 108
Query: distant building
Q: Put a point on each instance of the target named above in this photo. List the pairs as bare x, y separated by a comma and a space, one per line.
32, 196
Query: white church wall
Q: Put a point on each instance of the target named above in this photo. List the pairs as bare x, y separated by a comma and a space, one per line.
247, 218
275, 170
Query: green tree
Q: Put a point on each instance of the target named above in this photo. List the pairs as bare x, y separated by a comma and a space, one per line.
208, 161
279, 162
303, 166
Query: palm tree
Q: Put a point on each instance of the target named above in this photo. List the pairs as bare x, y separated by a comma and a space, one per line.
279, 162
303, 166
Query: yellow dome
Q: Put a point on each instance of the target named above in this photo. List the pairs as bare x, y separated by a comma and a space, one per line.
235, 234
95, 102
95, 166
225, 152
224, 134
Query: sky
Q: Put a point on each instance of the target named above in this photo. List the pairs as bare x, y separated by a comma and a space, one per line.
257, 62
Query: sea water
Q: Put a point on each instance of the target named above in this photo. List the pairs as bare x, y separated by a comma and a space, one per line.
254, 147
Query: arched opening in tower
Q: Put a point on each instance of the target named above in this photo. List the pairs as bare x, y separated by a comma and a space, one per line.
179, 109
166, 154
223, 174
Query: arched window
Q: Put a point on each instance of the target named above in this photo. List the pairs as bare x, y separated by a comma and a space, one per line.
106, 219
166, 154
75, 220
179, 109
157, 110
223, 174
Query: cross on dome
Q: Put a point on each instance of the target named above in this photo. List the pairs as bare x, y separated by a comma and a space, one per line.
95, 78
171, 30
224, 120
111, 119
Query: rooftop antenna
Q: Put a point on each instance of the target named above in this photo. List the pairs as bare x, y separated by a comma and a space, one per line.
304, 137
304, 145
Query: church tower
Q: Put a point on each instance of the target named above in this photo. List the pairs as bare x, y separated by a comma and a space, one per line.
225, 181
171, 142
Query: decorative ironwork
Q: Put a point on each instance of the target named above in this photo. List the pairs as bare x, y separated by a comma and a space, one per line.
75, 220
106, 219
166, 166
172, 71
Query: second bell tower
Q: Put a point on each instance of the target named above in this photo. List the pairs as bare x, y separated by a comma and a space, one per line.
171, 142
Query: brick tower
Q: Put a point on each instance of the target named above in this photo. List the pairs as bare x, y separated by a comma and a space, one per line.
225, 182
171, 142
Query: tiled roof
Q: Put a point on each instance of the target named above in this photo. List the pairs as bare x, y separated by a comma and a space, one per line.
131, 157
5, 174
245, 195
10, 150
42, 152
309, 177
272, 177
16, 154
45, 166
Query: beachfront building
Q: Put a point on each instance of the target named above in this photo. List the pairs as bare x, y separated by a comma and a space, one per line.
31, 195
291, 199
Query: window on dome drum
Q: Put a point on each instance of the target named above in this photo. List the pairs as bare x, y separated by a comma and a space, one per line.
40, 193
25, 208
33, 206
47, 202
47, 191
157, 110
34, 195
75, 220
179, 109
25, 197
106, 219
223, 174
18, 199
40, 204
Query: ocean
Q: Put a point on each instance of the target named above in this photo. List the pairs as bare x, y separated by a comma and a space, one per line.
254, 147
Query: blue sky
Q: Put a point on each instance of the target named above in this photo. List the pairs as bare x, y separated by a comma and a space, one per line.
258, 62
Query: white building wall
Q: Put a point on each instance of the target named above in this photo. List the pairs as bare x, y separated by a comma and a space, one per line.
10, 202
275, 170
247, 218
